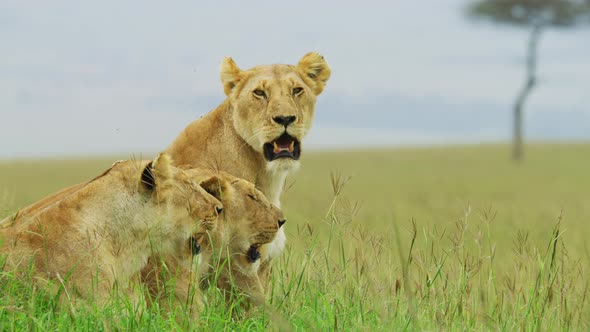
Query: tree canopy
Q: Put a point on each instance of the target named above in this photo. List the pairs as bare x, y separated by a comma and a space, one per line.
558, 13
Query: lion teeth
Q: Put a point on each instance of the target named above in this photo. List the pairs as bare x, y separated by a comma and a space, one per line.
292, 146
276, 147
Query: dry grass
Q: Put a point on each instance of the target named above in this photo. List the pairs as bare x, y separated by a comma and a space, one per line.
418, 239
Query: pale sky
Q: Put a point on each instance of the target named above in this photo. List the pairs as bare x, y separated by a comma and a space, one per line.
106, 77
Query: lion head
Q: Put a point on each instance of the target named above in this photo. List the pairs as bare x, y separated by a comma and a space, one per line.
273, 105
249, 219
184, 200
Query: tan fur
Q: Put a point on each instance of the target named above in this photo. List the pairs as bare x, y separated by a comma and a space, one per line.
248, 219
231, 138
93, 236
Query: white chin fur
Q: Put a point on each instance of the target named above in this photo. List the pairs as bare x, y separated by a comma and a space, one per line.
277, 246
282, 165
253, 268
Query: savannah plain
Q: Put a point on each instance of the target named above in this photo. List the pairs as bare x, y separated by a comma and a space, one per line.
445, 238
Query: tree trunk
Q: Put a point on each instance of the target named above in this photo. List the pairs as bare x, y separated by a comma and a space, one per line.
529, 84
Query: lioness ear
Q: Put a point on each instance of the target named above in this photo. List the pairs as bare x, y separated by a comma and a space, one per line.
315, 71
157, 172
230, 75
147, 177
214, 186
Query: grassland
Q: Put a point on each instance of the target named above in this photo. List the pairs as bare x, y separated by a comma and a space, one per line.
454, 238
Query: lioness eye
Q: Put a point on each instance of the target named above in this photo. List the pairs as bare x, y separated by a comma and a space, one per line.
297, 91
259, 93
252, 197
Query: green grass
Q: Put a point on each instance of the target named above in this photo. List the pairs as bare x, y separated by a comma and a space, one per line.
454, 238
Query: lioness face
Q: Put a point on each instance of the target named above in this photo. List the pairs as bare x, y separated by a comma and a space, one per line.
203, 211
249, 219
192, 210
273, 106
255, 220
201, 207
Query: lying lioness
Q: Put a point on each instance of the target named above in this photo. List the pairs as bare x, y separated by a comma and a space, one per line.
230, 253
97, 235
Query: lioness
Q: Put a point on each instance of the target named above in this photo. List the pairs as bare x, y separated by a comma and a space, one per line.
256, 133
97, 235
230, 253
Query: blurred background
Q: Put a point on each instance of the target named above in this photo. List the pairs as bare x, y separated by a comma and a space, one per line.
109, 77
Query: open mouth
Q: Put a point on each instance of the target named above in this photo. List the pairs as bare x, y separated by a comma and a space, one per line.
253, 254
285, 146
194, 245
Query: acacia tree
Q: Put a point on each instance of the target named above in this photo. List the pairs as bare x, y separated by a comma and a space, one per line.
535, 15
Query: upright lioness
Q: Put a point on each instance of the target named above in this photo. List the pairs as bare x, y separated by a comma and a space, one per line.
99, 234
256, 133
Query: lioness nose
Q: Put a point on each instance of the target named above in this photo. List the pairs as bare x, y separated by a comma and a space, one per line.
282, 222
219, 209
285, 120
